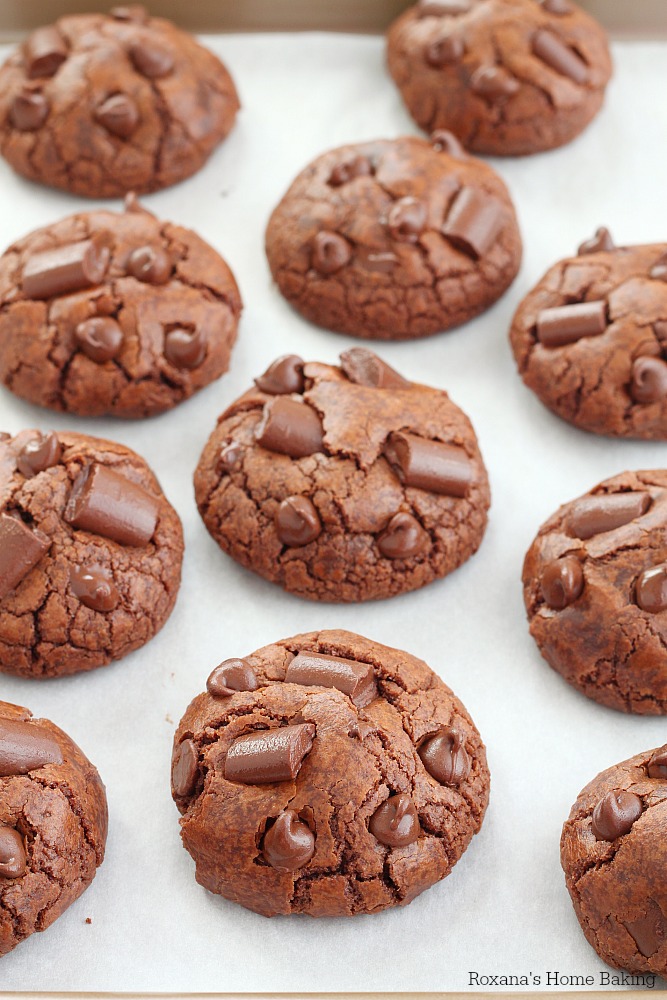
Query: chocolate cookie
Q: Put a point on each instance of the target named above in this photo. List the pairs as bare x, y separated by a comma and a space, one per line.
344, 484
53, 824
121, 314
614, 855
394, 239
508, 77
329, 775
90, 553
101, 105
591, 339
595, 588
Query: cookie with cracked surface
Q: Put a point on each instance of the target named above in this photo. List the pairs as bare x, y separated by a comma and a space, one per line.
100, 105
614, 854
114, 313
508, 77
595, 589
590, 340
90, 553
394, 239
53, 824
344, 483
327, 774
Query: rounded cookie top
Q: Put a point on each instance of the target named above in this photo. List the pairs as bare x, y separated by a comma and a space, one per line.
53, 824
591, 339
114, 313
394, 239
344, 483
90, 553
101, 105
508, 77
329, 775
614, 855
595, 588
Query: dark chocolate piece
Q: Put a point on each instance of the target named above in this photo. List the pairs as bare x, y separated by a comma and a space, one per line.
269, 754
444, 51
648, 383
150, 264
29, 110
445, 757
657, 766
403, 537
150, 60
230, 676
651, 589
93, 585
601, 241
553, 51
297, 521
290, 428
25, 747
119, 115
289, 844
353, 678
12, 853
474, 222
615, 814
38, 454
185, 348
364, 367
283, 376
342, 173
331, 252
567, 324
494, 83
395, 822
45, 52
430, 465
406, 220
20, 551
648, 932
185, 769
99, 338
66, 269
593, 515
562, 582
107, 503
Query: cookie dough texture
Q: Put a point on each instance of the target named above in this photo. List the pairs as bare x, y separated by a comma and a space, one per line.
340, 522
84, 598
100, 105
361, 758
508, 77
53, 825
595, 589
149, 317
618, 885
608, 373
394, 239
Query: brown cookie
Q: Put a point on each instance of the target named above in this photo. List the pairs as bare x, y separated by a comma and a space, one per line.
90, 553
614, 855
508, 77
53, 824
595, 588
101, 105
329, 775
344, 484
394, 239
590, 340
121, 314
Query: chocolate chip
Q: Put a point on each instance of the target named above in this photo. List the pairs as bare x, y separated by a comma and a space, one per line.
650, 931
297, 521
25, 747
553, 51
269, 755
403, 537
20, 551
445, 757
230, 676
651, 589
601, 241
185, 348
444, 51
150, 60
594, 515
99, 338
229, 457
446, 142
559, 8
118, 114
107, 503
562, 582
38, 454
364, 367
93, 585
150, 264
494, 83
349, 170
45, 52
474, 222
29, 110
406, 220
12, 853
395, 822
331, 252
649, 380
567, 324
69, 268
657, 765
353, 678
185, 769
130, 12
283, 376
615, 814
290, 428
289, 844
430, 465
442, 8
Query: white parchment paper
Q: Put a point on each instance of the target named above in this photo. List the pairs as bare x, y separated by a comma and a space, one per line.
505, 909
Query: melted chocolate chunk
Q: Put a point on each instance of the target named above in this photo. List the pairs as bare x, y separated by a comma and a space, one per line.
290, 428
562, 582
119, 115
648, 383
150, 60
99, 338
20, 551
185, 348
601, 241
650, 931
364, 367
567, 324
406, 220
349, 170
297, 521
29, 110
403, 537
331, 252
93, 585
230, 676
70, 268
445, 757
24, 747
615, 814
494, 83
38, 454
353, 678
12, 853
269, 754
289, 844
553, 51
395, 822
594, 515
444, 51
150, 264
657, 765
45, 52
283, 376
651, 589
430, 465
474, 222
185, 769
107, 503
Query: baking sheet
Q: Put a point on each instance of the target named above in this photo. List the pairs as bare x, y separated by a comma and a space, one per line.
504, 910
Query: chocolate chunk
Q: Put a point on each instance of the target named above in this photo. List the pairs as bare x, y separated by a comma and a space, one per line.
150, 264
25, 747
446, 142
38, 454
151, 61
615, 814
601, 241
406, 220
651, 589
430, 465
403, 537
649, 380
20, 550
269, 755
648, 932
443, 8
130, 12
593, 515
494, 83
349, 170
444, 51
559, 8
445, 757
283, 376
395, 822
12, 853
230, 457
66, 269
297, 521
364, 367
353, 678
657, 766
230, 676
94, 587
45, 52
290, 427
185, 769
29, 110
185, 348
289, 844
118, 114
659, 270
99, 338
562, 582
553, 51
107, 503
567, 324
331, 252
474, 222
